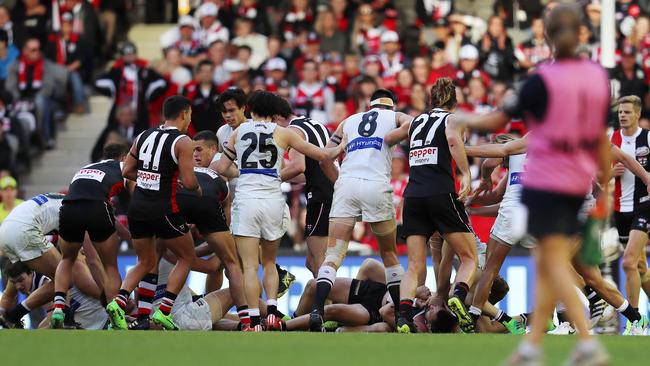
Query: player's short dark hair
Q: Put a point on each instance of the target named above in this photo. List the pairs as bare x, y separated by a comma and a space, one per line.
284, 108
14, 270
444, 322
115, 151
203, 63
207, 136
499, 290
383, 93
235, 94
264, 104
174, 106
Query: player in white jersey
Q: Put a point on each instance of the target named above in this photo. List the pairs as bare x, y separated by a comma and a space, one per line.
259, 212
22, 238
363, 191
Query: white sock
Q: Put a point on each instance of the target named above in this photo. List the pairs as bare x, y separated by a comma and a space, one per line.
326, 274
272, 302
394, 275
623, 307
476, 311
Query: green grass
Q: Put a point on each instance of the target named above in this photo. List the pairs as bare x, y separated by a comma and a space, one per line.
52, 348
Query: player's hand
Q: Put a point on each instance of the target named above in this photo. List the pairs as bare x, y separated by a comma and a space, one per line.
618, 169
485, 186
344, 143
465, 187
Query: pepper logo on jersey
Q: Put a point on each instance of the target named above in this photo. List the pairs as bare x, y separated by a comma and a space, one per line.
423, 156
94, 174
516, 178
149, 181
365, 143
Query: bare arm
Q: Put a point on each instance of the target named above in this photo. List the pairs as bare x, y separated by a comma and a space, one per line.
631, 164
9, 298
493, 196
290, 139
457, 150
130, 168
226, 164
296, 164
185, 152
486, 122
491, 210
397, 135
514, 147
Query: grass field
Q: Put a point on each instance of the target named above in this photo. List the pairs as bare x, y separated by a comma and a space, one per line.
52, 348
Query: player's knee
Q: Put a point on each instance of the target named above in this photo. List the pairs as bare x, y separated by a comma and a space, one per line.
311, 285
630, 262
333, 312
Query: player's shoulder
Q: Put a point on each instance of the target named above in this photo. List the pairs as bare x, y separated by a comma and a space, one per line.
207, 171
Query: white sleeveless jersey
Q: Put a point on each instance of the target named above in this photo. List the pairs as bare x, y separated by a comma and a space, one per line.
223, 135
260, 161
41, 211
367, 155
184, 296
516, 165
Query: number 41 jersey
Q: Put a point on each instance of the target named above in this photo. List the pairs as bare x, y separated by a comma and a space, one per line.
431, 168
260, 161
155, 191
367, 156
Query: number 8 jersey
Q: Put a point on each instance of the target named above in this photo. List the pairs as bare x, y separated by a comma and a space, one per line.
367, 156
155, 191
260, 161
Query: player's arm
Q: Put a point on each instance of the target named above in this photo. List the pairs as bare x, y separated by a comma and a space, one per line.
397, 135
9, 298
491, 210
492, 196
453, 133
485, 122
296, 164
185, 151
514, 147
294, 141
330, 167
631, 164
130, 168
226, 164
604, 166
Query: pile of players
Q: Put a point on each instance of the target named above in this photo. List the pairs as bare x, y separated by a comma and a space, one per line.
227, 188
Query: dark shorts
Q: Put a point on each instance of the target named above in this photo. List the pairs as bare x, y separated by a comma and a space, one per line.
169, 226
317, 219
368, 294
204, 212
627, 221
426, 215
78, 217
552, 213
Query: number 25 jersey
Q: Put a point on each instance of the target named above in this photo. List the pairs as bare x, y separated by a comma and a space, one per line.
367, 156
155, 191
260, 161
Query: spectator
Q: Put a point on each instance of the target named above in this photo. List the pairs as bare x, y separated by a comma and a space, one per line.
245, 35
6, 24
593, 17
431, 11
586, 40
339, 114
190, 47
275, 70
392, 60
238, 75
131, 81
351, 70
310, 51
468, 66
9, 194
332, 39
85, 24
536, 49
477, 96
9, 146
298, 19
459, 36
418, 101
372, 68
253, 10
172, 68
440, 65
40, 85
217, 55
123, 130
64, 48
497, 51
112, 18
8, 54
310, 97
403, 88
420, 68
628, 78
210, 28
203, 94
361, 93
30, 22
366, 35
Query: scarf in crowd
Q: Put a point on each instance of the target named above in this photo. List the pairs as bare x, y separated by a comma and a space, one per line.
63, 47
128, 88
35, 68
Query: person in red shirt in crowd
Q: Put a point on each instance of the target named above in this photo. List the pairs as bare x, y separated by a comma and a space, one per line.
398, 181
310, 51
351, 70
372, 68
421, 69
275, 70
203, 93
299, 18
362, 90
477, 96
392, 60
343, 15
403, 88
468, 66
210, 28
191, 48
311, 98
440, 65
536, 49
339, 114
366, 35
419, 99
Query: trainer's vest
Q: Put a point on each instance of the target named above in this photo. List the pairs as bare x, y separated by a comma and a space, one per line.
260, 161
367, 155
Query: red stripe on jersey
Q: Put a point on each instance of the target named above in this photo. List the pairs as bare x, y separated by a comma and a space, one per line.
115, 189
174, 184
617, 140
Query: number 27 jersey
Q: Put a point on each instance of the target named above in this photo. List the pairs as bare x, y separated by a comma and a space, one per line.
367, 156
155, 191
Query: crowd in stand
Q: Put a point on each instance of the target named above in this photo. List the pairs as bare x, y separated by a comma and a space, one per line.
325, 57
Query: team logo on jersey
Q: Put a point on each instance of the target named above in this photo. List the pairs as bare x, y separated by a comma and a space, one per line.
149, 181
365, 143
94, 174
516, 178
642, 151
423, 156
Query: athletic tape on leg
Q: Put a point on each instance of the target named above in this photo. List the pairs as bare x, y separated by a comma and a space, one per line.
335, 254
